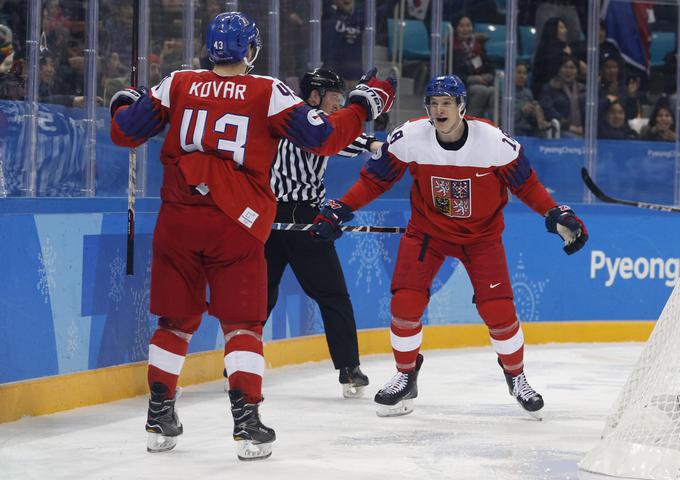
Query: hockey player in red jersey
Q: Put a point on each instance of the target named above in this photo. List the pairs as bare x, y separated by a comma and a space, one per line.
217, 210
462, 169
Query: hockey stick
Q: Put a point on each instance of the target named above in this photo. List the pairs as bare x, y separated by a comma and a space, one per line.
345, 228
607, 199
132, 157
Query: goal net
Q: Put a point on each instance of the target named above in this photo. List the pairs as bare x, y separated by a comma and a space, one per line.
641, 438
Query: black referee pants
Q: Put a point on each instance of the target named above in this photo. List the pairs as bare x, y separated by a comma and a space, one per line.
317, 268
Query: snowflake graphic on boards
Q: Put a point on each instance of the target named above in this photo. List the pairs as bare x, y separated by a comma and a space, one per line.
144, 321
527, 293
47, 270
370, 251
117, 270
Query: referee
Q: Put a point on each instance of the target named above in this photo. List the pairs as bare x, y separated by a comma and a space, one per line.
297, 182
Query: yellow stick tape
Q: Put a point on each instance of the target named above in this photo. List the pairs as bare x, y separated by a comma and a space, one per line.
63, 392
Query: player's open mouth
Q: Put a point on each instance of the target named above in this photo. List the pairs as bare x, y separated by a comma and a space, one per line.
442, 120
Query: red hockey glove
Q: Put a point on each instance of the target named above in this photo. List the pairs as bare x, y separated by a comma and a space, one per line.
327, 223
376, 96
563, 221
127, 96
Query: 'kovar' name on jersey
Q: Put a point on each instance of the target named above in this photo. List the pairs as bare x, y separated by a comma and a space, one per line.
218, 89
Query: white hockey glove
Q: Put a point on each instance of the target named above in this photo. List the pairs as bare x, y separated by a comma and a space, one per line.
376, 96
563, 221
127, 96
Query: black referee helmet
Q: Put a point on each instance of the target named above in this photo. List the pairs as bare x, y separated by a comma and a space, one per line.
321, 80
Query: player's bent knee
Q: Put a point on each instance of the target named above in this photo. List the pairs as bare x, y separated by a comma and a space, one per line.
409, 304
498, 313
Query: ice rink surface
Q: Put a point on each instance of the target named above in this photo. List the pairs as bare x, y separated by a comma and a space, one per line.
465, 425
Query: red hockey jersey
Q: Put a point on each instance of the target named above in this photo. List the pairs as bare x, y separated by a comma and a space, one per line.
223, 136
457, 195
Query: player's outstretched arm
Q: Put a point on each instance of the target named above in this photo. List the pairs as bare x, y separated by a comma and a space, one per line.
135, 117
329, 134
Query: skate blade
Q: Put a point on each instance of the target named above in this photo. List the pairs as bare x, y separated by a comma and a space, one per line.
538, 414
155, 443
246, 450
404, 407
350, 390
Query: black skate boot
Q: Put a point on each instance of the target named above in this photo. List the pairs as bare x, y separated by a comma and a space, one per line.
162, 421
253, 439
353, 382
528, 398
396, 397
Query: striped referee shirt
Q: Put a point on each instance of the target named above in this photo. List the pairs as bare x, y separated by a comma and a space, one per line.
297, 175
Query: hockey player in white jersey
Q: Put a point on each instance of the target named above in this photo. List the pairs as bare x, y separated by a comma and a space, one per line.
462, 169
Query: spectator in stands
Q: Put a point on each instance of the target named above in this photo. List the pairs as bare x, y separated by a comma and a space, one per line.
342, 27
613, 124
661, 126
613, 88
563, 98
172, 56
472, 65
529, 117
567, 10
47, 91
552, 46
606, 49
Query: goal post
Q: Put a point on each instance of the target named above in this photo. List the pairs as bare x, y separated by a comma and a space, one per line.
641, 438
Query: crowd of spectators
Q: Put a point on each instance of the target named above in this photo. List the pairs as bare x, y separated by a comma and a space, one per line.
550, 87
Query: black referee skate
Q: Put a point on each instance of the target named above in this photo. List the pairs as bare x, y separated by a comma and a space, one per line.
253, 439
528, 398
353, 382
162, 421
396, 397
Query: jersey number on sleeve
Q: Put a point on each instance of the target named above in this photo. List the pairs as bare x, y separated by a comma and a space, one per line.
237, 146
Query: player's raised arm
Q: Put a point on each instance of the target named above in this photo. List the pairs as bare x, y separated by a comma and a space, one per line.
136, 116
329, 134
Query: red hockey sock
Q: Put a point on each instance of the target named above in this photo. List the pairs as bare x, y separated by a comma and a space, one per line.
506, 334
406, 329
244, 359
167, 350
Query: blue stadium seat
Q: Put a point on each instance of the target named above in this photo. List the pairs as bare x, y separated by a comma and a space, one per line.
416, 39
661, 43
495, 45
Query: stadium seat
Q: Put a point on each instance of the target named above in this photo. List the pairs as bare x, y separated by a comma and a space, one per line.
495, 45
661, 44
416, 39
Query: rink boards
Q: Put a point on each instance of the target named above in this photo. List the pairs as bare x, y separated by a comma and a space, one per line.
68, 309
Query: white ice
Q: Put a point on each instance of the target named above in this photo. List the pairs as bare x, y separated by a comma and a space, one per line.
465, 425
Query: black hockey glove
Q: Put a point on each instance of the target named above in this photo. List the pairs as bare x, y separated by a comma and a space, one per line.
126, 96
563, 221
376, 96
327, 223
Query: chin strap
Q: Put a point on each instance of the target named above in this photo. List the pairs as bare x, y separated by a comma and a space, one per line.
251, 64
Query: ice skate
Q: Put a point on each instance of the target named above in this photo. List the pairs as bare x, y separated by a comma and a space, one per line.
396, 397
253, 439
162, 421
528, 398
353, 382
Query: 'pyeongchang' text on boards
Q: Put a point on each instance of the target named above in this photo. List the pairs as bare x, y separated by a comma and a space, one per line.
627, 268
218, 89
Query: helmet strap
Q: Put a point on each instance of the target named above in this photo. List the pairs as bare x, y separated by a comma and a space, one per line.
250, 64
